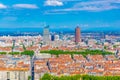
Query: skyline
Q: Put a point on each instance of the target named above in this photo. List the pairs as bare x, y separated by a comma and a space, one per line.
88, 14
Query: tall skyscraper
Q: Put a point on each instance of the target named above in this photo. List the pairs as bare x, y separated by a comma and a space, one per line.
52, 37
46, 34
77, 34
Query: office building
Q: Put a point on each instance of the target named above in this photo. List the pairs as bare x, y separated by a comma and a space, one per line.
77, 34
52, 37
46, 34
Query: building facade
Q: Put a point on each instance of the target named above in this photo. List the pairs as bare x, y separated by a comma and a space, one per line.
52, 37
14, 75
77, 35
46, 34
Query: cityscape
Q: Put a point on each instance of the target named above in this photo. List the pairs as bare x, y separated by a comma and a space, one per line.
59, 54
59, 39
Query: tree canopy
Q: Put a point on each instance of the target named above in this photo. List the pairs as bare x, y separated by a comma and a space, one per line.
79, 77
84, 53
27, 52
3, 53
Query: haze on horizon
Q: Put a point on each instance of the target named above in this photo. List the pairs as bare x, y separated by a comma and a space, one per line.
88, 14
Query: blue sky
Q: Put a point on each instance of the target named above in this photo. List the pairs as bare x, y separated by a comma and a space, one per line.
88, 14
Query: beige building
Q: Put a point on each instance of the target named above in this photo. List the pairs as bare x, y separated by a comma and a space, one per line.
14, 75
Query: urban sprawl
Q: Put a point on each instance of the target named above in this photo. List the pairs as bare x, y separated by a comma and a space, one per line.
23, 57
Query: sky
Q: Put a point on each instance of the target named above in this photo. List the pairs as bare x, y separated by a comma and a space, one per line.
67, 14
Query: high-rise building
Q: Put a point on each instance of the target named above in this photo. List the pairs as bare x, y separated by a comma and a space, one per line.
46, 34
77, 34
52, 37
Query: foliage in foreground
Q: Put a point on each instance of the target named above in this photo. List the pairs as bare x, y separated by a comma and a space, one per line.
79, 77
29, 77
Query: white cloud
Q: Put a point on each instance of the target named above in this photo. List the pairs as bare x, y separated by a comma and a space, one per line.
53, 3
99, 5
2, 6
70, 0
93, 5
26, 6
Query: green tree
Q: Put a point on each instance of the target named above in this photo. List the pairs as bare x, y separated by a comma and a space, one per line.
28, 52
79, 77
29, 77
84, 53
46, 77
3, 53
105, 47
14, 53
